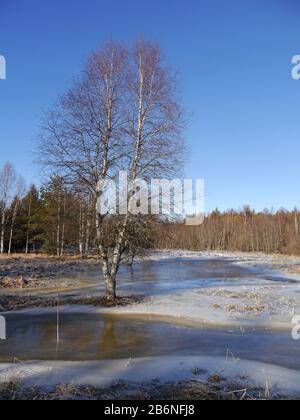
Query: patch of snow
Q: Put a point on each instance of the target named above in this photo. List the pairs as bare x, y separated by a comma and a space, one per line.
166, 369
264, 307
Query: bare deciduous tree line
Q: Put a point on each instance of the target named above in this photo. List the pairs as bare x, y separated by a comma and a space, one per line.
56, 220
245, 230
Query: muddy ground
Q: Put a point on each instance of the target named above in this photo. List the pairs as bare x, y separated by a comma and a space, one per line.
30, 272
41, 272
16, 303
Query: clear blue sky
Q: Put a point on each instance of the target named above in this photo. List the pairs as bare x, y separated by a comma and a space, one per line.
234, 59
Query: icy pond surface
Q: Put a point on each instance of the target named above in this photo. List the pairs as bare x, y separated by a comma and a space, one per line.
90, 337
237, 306
164, 275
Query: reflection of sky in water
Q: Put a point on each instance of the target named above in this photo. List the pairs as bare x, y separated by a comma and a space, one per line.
95, 337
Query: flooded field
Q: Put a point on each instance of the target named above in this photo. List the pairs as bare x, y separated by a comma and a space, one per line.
195, 308
164, 274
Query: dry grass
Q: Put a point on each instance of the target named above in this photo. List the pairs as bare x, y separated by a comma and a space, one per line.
39, 256
192, 390
251, 302
40, 271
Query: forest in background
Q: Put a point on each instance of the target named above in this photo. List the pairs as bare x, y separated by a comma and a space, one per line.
56, 220
243, 230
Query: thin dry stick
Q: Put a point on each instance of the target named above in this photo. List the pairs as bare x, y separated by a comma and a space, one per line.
229, 353
57, 324
267, 391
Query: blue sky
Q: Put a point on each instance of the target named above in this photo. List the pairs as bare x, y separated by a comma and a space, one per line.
234, 62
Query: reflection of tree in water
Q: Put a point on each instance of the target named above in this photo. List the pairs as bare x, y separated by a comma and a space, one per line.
142, 278
80, 335
109, 341
122, 338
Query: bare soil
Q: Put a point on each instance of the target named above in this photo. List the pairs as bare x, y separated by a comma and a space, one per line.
38, 271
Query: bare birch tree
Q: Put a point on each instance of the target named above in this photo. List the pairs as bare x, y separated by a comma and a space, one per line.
122, 114
20, 192
28, 220
7, 184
